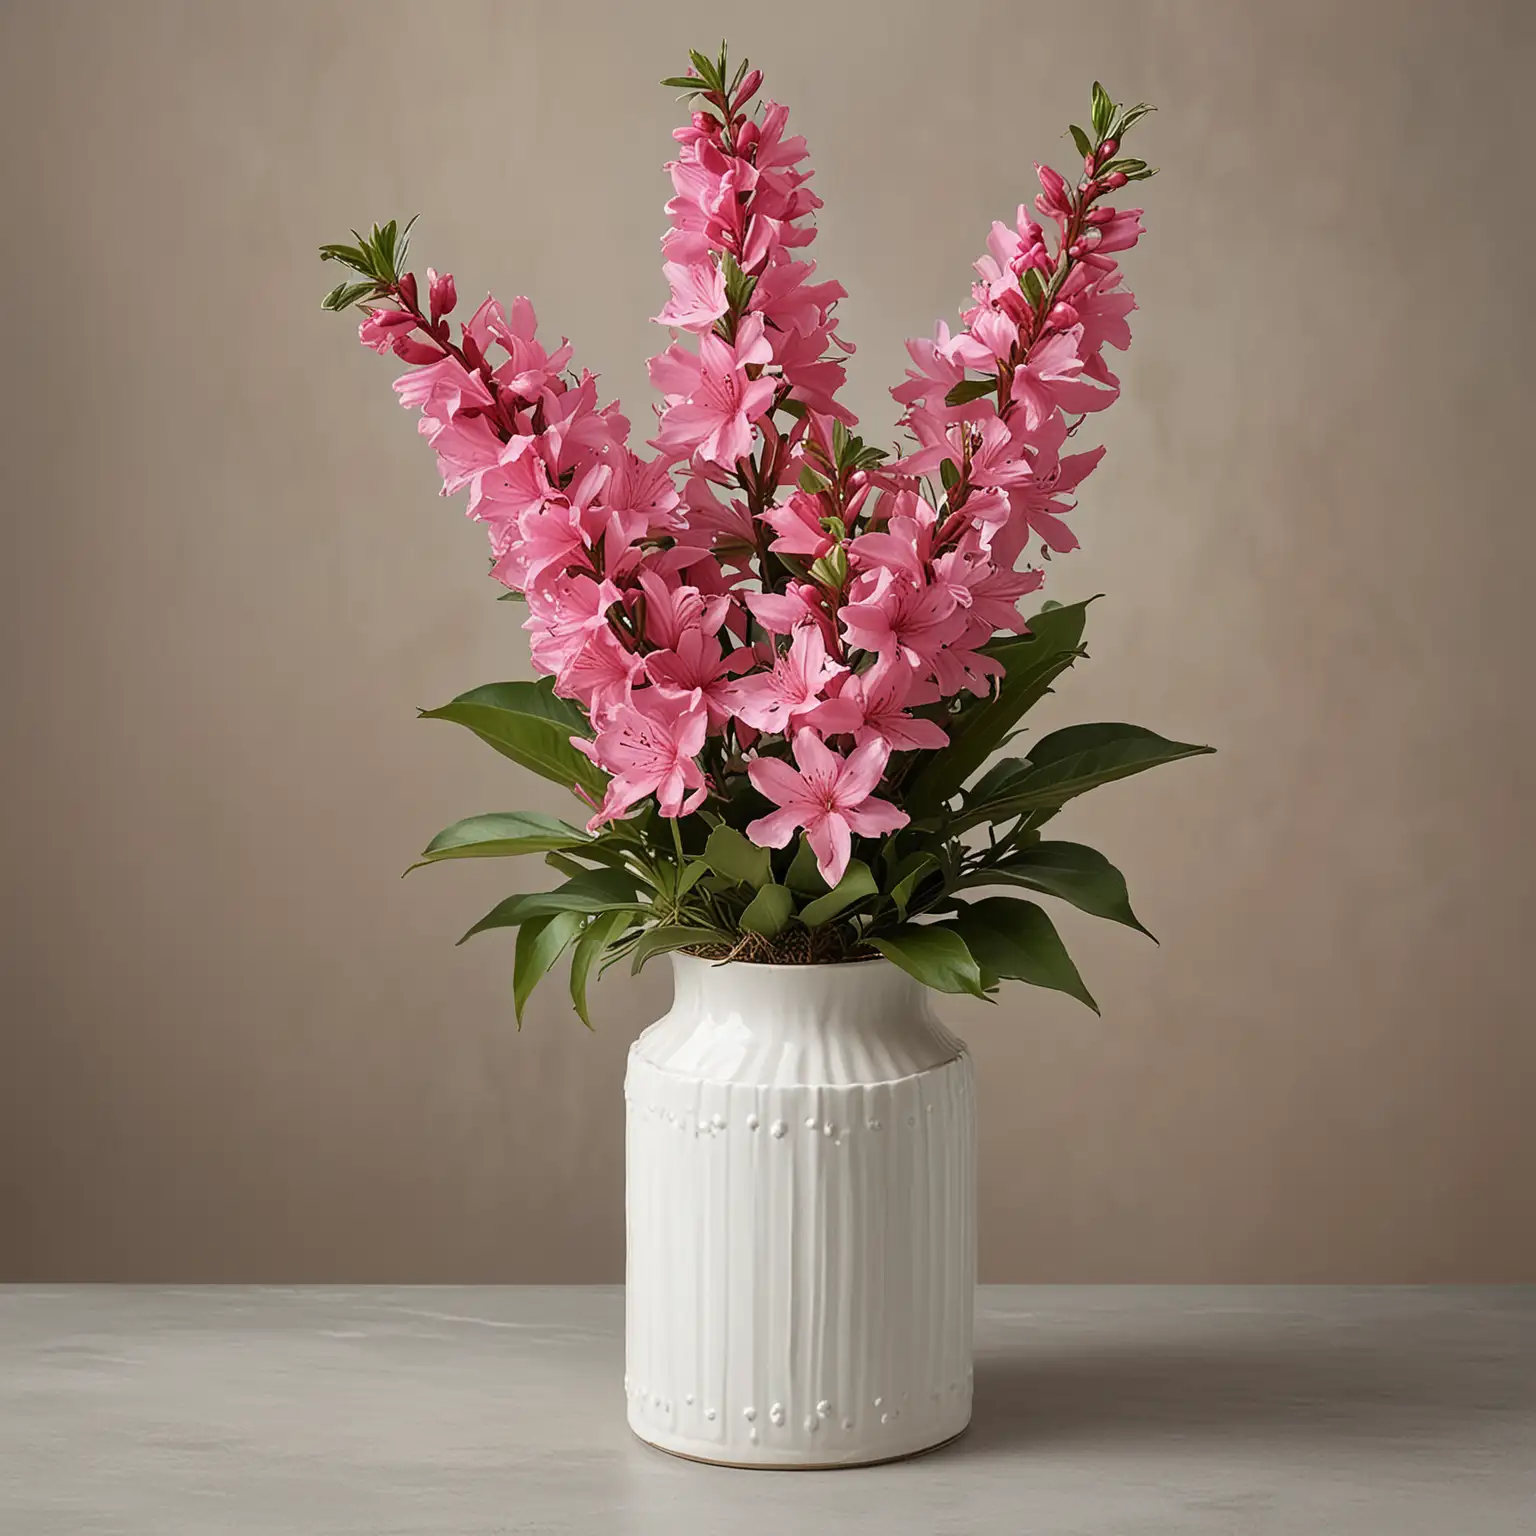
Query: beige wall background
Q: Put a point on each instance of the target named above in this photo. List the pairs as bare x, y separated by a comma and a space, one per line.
237, 1047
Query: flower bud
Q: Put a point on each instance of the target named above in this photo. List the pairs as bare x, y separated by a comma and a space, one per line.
1107, 149
393, 320
1101, 215
748, 90
1075, 249
1062, 316
1115, 180
408, 290
1054, 191
419, 352
441, 293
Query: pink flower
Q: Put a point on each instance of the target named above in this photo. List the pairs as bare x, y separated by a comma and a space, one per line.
798, 525
1119, 232
696, 664
871, 707
774, 701
649, 747
1049, 378
897, 618
698, 295
711, 403
830, 797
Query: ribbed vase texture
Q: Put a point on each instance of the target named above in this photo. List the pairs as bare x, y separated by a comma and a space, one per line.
801, 1218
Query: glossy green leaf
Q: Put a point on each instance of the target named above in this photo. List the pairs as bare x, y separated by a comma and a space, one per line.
905, 876
540, 942
1103, 110
733, 856
856, 884
769, 911
1070, 762
526, 722
503, 834
661, 941
593, 890
803, 876
1082, 876
1081, 140
601, 930
1032, 662
970, 389
1015, 939
936, 956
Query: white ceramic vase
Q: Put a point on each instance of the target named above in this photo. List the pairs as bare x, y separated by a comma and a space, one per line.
801, 1218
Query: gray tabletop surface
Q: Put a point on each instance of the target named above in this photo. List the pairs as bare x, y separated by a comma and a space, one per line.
469, 1411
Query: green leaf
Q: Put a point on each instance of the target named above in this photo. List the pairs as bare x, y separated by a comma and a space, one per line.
905, 876
1129, 118
1015, 939
733, 857
501, 835
1080, 875
539, 944
693, 871
661, 941
936, 956
970, 389
512, 597
856, 884
769, 911
593, 890
1082, 141
595, 938
344, 295
1103, 110
353, 256
1034, 288
949, 474
1072, 761
706, 69
811, 482
803, 875
526, 722
1032, 663
683, 83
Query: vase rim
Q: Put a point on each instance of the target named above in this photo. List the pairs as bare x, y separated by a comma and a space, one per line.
787, 965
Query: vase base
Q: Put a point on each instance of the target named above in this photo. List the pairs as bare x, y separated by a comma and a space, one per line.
802, 1466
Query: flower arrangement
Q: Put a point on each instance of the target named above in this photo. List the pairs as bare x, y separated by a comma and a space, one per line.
775, 661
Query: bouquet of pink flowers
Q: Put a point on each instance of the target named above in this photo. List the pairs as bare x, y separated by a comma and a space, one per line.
775, 661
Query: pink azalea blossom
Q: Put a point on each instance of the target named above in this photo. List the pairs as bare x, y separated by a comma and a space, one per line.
697, 664
698, 295
774, 701
798, 526
711, 402
1050, 378
897, 618
830, 797
649, 746
871, 706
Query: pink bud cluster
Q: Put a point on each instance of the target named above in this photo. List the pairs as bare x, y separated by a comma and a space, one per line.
756, 597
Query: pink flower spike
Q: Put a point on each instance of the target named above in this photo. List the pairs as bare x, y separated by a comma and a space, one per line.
830, 797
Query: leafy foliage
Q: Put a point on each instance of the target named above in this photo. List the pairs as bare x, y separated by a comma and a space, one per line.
914, 897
